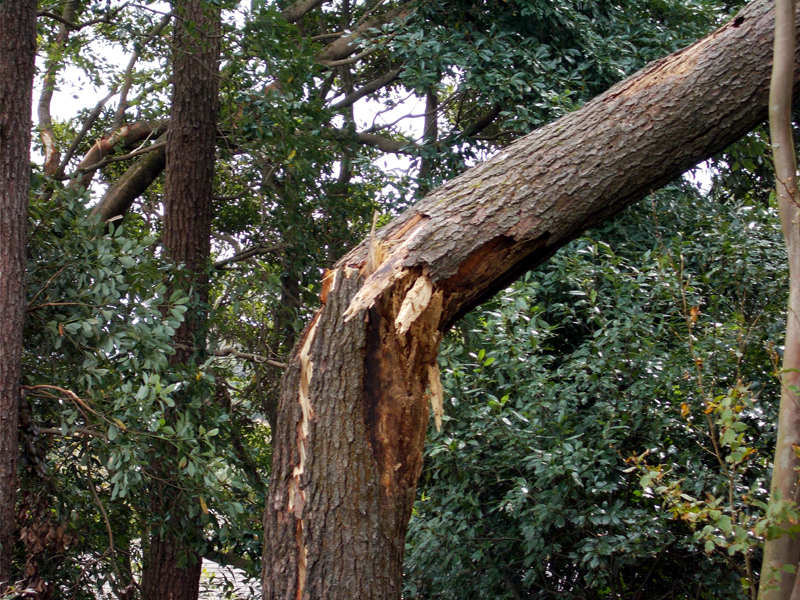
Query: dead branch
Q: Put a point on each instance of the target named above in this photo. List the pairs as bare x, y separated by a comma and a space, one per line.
256, 358
367, 89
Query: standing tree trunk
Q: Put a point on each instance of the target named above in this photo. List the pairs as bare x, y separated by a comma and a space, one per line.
776, 583
186, 239
354, 405
17, 54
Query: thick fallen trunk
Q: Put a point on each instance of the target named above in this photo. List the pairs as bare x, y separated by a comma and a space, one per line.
134, 182
354, 407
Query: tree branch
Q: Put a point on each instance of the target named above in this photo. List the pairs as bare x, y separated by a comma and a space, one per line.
127, 79
87, 125
125, 137
112, 159
483, 122
367, 89
46, 133
123, 193
381, 143
257, 358
249, 253
78, 26
346, 46
300, 8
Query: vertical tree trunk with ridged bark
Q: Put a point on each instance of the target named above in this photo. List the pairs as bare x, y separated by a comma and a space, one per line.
186, 239
354, 405
17, 54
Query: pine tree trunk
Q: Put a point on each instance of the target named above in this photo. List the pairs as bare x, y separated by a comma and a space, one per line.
186, 239
17, 54
354, 406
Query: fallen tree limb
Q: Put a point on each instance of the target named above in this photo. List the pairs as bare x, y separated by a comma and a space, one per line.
354, 401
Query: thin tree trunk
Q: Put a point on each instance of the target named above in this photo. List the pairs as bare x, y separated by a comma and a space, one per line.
775, 583
17, 54
186, 238
429, 136
354, 404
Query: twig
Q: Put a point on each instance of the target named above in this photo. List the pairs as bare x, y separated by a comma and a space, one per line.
76, 432
367, 88
249, 253
107, 19
113, 159
257, 358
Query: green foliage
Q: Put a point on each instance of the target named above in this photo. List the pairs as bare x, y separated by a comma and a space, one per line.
101, 418
583, 365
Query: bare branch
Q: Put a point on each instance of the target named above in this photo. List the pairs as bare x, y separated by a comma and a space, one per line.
126, 137
377, 141
256, 358
109, 18
367, 13
354, 59
112, 159
367, 89
346, 46
249, 253
87, 125
300, 8
121, 195
77, 431
48, 136
127, 79
483, 122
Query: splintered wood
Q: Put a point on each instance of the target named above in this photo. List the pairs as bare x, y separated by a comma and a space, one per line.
437, 394
389, 270
414, 304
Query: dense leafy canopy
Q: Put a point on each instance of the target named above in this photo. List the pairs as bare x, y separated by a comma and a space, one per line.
625, 345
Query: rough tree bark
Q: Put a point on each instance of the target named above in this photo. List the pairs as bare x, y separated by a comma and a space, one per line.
186, 239
776, 583
354, 403
17, 54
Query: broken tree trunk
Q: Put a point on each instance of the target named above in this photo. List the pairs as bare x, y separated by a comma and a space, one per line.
354, 405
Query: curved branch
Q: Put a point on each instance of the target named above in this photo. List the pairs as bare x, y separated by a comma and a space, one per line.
346, 46
381, 143
300, 8
87, 125
125, 137
121, 195
257, 358
367, 89
46, 133
112, 159
483, 122
127, 79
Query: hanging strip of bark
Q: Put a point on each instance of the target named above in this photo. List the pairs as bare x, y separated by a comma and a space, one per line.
777, 584
354, 403
17, 55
